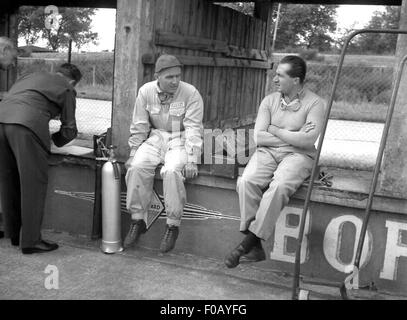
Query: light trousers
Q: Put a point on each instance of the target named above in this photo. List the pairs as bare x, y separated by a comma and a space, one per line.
282, 173
158, 148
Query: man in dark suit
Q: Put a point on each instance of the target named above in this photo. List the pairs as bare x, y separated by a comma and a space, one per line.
25, 112
8, 57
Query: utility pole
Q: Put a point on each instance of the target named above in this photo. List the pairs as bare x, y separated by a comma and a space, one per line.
275, 27
69, 49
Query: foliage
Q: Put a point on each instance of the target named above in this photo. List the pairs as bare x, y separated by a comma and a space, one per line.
370, 43
74, 23
307, 26
310, 54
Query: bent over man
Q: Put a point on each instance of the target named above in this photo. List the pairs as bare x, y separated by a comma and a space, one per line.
25, 113
166, 128
287, 125
8, 57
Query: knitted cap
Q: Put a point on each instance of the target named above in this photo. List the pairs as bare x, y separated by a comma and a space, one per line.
166, 61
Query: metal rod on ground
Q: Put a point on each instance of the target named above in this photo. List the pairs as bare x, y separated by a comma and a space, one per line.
296, 280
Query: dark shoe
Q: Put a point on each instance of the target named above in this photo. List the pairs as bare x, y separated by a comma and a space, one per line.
255, 255
232, 259
1, 234
137, 228
170, 236
15, 241
42, 246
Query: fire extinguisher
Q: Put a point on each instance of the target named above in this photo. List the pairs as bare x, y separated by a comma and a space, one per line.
111, 214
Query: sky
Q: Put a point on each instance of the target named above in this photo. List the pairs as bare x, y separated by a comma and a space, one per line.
105, 19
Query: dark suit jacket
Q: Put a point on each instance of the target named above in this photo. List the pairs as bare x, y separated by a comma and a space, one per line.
35, 99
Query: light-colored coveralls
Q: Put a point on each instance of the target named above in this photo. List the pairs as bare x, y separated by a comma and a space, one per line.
280, 169
168, 133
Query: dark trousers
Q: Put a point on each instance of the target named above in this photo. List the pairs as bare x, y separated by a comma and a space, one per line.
23, 182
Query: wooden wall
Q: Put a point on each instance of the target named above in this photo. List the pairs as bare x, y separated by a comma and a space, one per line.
224, 52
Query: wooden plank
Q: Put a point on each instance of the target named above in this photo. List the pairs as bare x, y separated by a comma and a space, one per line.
239, 52
236, 80
168, 4
239, 91
228, 94
260, 10
234, 122
159, 20
134, 33
267, 45
257, 31
215, 94
213, 62
185, 22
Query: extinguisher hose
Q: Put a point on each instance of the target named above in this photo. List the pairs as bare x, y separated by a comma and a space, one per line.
116, 170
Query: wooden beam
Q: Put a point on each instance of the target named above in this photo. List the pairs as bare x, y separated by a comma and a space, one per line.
8, 28
134, 35
363, 2
261, 9
170, 39
213, 62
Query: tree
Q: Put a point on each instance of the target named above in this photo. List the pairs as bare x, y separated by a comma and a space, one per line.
308, 26
379, 43
74, 23
29, 24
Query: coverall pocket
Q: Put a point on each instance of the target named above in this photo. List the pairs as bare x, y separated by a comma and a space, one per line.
153, 109
177, 109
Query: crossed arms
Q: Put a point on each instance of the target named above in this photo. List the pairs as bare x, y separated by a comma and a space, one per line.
268, 135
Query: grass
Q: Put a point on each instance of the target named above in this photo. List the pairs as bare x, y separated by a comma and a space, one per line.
364, 111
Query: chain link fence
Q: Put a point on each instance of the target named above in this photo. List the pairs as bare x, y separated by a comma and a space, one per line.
356, 121
359, 109
94, 91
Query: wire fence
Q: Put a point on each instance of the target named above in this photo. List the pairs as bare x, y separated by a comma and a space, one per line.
354, 129
94, 92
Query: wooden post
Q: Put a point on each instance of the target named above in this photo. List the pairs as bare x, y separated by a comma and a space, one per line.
94, 76
134, 34
69, 49
393, 180
268, 47
8, 28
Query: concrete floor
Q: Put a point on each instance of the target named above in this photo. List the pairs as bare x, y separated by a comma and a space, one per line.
141, 273
85, 273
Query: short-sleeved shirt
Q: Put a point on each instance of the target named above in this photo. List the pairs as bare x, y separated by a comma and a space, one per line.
37, 98
291, 119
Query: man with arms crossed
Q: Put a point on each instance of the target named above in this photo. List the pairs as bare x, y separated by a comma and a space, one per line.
287, 125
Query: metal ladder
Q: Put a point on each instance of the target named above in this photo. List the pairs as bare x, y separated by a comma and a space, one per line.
352, 280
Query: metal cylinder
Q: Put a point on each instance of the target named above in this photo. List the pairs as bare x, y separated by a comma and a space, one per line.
111, 215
